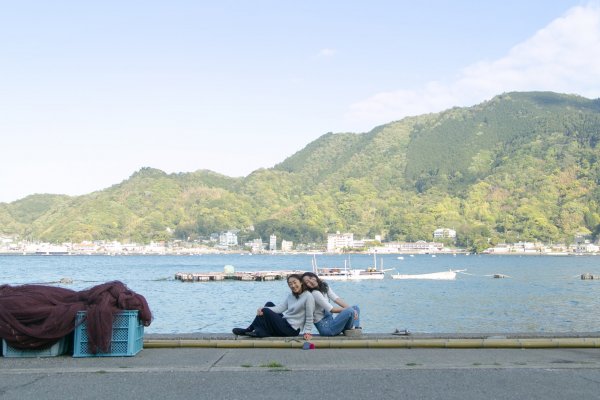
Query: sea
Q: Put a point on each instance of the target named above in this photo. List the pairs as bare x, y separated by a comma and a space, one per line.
539, 293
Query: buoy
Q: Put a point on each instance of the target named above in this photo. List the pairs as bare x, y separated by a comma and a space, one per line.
229, 269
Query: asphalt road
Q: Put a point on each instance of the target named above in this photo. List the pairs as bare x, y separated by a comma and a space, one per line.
213, 373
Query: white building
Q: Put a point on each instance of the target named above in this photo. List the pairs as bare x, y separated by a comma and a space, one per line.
256, 246
444, 233
586, 247
420, 246
287, 245
501, 248
527, 247
336, 242
359, 244
273, 243
228, 238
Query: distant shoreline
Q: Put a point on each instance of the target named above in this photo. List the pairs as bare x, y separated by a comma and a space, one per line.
50, 254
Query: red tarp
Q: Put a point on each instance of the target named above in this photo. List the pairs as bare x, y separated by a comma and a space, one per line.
36, 316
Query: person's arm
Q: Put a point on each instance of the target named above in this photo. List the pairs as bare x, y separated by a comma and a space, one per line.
321, 301
279, 308
309, 315
337, 300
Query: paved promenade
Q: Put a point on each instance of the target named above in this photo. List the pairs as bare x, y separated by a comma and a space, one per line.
188, 370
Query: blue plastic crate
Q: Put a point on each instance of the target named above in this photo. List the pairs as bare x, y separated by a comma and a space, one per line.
127, 336
57, 349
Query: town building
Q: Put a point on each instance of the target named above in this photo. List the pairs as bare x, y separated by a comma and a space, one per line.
256, 246
586, 247
228, 239
419, 247
444, 233
287, 245
337, 242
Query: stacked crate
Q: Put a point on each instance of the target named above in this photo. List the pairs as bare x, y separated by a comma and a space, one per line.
127, 336
57, 349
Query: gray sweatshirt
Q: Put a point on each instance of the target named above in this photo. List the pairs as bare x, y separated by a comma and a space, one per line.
297, 311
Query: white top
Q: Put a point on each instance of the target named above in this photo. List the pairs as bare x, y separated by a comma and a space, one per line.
321, 305
298, 312
331, 294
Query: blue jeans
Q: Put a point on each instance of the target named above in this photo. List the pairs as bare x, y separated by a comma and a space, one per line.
329, 326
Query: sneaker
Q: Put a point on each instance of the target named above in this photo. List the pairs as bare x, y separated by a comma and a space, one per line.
239, 331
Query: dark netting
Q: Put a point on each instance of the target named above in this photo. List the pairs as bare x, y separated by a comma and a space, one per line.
37, 316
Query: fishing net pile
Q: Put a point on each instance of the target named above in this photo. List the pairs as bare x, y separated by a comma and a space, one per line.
37, 316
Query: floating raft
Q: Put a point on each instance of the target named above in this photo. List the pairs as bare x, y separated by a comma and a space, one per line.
236, 276
588, 276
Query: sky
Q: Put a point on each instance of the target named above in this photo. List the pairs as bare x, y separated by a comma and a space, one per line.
92, 91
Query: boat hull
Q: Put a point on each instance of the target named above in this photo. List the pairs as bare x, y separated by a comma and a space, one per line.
440, 276
351, 275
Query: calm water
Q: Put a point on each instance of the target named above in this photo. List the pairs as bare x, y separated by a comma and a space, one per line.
543, 294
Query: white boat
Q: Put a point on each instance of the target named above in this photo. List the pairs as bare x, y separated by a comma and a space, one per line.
347, 273
440, 276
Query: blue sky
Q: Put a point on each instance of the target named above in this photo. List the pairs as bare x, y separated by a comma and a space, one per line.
91, 92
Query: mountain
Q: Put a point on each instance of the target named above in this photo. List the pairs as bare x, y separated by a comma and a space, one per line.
521, 166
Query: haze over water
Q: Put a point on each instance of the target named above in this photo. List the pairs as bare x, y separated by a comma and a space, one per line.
542, 293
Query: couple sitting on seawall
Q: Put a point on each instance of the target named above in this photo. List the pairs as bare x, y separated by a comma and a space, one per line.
307, 304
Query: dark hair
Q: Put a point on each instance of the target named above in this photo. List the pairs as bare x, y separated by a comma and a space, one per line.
299, 277
322, 286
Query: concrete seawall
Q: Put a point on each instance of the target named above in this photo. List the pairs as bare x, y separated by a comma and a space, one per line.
376, 341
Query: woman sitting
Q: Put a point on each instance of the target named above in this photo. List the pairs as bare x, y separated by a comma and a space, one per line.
289, 318
347, 318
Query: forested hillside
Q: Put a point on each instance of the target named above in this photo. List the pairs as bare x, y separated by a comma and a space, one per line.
522, 166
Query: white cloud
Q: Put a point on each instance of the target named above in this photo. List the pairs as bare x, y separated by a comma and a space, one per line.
562, 57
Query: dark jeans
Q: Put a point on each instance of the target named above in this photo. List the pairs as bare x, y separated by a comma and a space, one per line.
272, 324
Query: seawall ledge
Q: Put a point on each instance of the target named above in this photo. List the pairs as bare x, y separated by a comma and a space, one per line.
382, 340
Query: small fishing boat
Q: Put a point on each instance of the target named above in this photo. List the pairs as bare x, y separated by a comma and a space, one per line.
440, 276
347, 273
